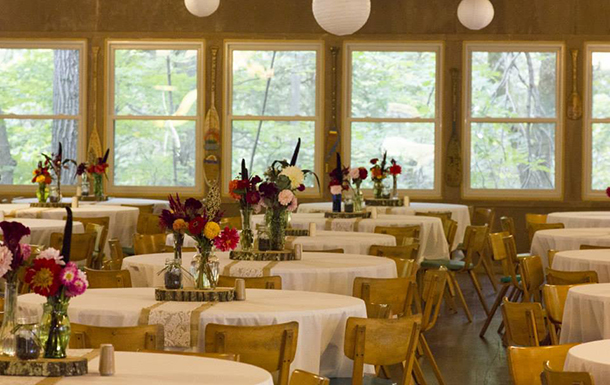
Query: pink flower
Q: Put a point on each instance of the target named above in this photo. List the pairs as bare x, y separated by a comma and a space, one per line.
336, 190
354, 173
227, 240
78, 286
26, 250
69, 274
293, 205
6, 257
51, 253
285, 197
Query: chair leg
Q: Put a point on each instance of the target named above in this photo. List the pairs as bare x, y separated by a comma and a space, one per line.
477, 287
488, 267
449, 301
418, 373
494, 308
461, 296
430, 357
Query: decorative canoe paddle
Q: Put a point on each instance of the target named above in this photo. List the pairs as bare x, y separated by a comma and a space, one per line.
65, 250
211, 129
453, 169
575, 105
333, 132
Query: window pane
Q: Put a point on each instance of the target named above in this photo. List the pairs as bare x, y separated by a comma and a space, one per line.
154, 153
512, 156
411, 144
39, 81
393, 84
600, 177
601, 84
274, 83
155, 82
262, 142
22, 142
514, 84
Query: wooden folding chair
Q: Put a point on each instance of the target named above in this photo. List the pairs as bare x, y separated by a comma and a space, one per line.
558, 277
108, 279
130, 339
526, 363
272, 282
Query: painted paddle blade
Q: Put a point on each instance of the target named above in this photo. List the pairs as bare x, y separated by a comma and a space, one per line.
65, 250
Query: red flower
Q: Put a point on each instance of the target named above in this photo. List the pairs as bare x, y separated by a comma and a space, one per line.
232, 187
43, 277
374, 160
608, 191
227, 240
395, 169
363, 173
196, 226
253, 197
301, 187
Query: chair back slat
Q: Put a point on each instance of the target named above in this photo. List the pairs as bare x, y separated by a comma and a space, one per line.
108, 279
131, 339
526, 363
558, 277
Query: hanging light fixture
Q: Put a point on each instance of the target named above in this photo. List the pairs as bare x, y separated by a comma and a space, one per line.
341, 17
202, 8
475, 14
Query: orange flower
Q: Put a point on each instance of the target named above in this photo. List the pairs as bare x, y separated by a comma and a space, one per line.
232, 186
180, 226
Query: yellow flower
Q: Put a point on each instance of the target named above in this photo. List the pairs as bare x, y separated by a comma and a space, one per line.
34, 172
211, 230
179, 225
40, 179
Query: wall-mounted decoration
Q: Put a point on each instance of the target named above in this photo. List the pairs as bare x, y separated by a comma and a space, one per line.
211, 125
575, 103
453, 168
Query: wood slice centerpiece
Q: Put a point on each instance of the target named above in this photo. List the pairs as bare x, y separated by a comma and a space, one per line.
297, 232
355, 215
384, 202
50, 204
220, 294
93, 198
283, 255
44, 367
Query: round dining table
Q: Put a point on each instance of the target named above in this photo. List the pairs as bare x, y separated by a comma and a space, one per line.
133, 368
322, 318
350, 242
581, 219
591, 357
41, 229
567, 239
581, 260
316, 272
9, 209
158, 204
459, 213
586, 315
123, 220
433, 244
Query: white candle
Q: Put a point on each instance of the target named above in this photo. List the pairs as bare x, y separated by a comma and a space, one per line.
240, 289
312, 229
75, 202
106, 364
298, 252
407, 201
374, 213
79, 191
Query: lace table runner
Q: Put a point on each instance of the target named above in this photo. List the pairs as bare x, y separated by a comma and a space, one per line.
249, 269
340, 224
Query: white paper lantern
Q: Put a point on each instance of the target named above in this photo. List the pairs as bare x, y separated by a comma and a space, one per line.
475, 14
341, 17
202, 8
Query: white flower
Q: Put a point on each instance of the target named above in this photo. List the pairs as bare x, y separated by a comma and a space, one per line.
51, 253
295, 175
6, 257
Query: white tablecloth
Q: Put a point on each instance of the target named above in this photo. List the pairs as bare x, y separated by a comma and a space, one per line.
593, 358
10, 208
579, 260
123, 220
432, 237
41, 229
350, 242
159, 369
459, 213
581, 219
567, 239
317, 272
158, 205
321, 318
586, 316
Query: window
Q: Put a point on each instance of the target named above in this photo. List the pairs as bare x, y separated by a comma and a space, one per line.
42, 103
513, 120
273, 97
597, 122
155, 112
394, 104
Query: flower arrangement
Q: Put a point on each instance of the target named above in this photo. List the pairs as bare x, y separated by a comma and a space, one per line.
379, 172
44, 179
57, 164
192, 218
283, 180
357, 176
97, 171
244, 189
339, 181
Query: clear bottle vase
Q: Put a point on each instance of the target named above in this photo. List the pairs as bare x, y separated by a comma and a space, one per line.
277, 221
246, 240
42, 193
378, 188
7, 335
206, 268
394, 187
178, 242
98, 186
358, 200
55, 328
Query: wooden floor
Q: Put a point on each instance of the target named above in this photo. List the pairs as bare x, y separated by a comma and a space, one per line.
464, 357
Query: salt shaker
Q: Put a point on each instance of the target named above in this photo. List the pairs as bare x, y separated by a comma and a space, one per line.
407, 201
298, 252
106, 360
312, 229
240, 289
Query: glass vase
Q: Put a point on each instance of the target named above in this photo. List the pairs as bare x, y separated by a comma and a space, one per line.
394, 194
55, 194
55, 328
98, 186
173, 274
246, 238
85, 185
358, 200
378, 188
277, 221
336, 203
178, 242
205, 268
42, 193
7, 334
